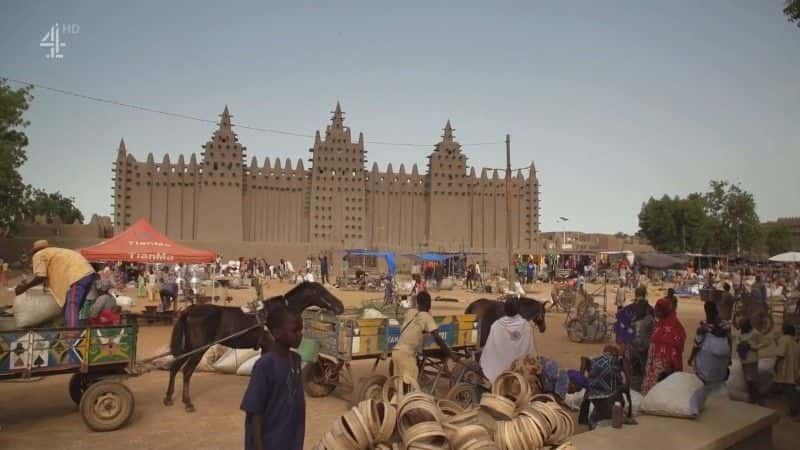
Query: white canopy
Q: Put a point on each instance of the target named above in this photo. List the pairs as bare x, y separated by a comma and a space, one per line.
786, 257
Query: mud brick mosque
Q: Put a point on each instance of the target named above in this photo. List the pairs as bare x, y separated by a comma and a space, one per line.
220, 201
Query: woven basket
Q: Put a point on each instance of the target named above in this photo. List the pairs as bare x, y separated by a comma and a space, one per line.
458, 435
416, 408
537, 423
476, 444
513, 386
449, 408
499, 407
469, 417
333, 441
430, 433
358, 428
397, 387
387, 414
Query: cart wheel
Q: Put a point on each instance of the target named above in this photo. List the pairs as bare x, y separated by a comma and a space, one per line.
370, 388
78, 384
315, 383
465, 394
575, 330
469, 371
106, 405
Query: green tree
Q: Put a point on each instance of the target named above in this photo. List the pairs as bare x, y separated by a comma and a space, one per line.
778, 240
691, 223
733, 223
792, 11
656, 223
14, 194
52, 205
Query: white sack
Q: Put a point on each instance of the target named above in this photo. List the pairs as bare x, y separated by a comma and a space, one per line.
234, 358
246, 368
34, 307
679, 395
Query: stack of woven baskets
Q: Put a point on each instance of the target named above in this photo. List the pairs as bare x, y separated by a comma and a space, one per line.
510, 418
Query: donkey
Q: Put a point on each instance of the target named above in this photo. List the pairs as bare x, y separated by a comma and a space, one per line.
488, 311
200, 325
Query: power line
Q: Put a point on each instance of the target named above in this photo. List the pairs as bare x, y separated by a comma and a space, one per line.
214, 122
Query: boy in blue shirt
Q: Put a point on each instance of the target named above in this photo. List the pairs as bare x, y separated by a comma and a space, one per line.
274, 400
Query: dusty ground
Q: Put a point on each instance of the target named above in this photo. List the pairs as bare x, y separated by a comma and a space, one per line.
40, 415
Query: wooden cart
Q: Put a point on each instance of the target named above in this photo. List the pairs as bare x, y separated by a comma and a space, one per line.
97, 357
331, 344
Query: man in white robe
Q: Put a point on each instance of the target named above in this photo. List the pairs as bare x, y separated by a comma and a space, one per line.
510, 337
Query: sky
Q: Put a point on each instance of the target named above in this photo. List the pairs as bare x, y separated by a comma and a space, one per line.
614, 101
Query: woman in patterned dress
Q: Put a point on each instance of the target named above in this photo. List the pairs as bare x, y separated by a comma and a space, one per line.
666, 345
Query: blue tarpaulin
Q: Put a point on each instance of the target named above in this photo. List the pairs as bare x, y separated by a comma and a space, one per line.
389, 256
436, 257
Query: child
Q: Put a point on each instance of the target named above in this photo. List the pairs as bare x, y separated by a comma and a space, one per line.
274, 400
104, 309
749, 342
787, 367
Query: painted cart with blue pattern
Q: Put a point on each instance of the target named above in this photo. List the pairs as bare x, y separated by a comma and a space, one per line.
98, 358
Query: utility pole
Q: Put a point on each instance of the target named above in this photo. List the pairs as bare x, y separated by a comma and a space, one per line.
509, 247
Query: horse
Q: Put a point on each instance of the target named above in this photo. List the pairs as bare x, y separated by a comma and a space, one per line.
201, 325
488, 311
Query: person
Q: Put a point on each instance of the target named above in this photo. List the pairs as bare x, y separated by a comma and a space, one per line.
67, 274
672, 298
666, 345
726, 301
169, 291
104, 309
274, 402
748, 343
621, 292
510, 337
637, 351
478, 278
711, 352
787, 367
388, 290
417, 324
289, 267
3, 272
323, 269
419, 286
140, 285
605, 384
470, 275
529, 270
152, 285
759, 290
309, 276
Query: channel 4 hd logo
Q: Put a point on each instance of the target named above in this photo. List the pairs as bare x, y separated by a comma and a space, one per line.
53, 40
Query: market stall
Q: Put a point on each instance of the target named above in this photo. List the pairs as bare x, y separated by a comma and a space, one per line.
142, 243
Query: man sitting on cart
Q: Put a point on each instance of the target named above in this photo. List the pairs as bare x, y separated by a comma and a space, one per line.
68, 275
417, 324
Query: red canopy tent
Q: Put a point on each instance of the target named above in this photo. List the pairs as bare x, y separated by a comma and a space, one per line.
142, 243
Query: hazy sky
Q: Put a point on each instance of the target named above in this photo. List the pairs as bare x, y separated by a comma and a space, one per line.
614, 101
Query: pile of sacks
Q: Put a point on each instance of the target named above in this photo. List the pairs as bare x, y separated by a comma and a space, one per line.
217, 358
510, 418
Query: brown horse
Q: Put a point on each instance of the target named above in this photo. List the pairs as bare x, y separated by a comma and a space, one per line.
200, 325
488, 311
